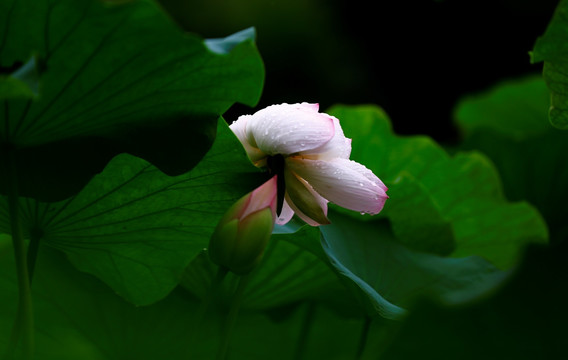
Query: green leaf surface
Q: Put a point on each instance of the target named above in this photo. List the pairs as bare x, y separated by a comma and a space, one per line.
387, 276
114, 78
440, 204
527, 151
136, 228
78, 317
290, 274
552, 48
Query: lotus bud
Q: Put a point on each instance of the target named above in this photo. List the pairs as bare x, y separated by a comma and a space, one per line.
240, 238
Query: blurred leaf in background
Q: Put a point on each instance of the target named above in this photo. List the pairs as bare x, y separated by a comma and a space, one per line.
508, 124
552, 48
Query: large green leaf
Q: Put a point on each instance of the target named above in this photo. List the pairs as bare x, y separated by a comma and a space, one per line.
507, 123
440, 204
387, 276
135, 227
552, 48
113, 79
78, 317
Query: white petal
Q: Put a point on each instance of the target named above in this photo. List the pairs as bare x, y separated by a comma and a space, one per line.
355, 166
285, 215
239, 129
343, 182
238, 126
289, 128
338, 147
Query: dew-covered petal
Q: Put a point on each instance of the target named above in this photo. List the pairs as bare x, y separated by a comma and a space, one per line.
361, 169
239, 129
306, 202
338, 147
343, 182
288, 129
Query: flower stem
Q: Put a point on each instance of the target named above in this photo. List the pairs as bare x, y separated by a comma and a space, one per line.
23, 326
231, 318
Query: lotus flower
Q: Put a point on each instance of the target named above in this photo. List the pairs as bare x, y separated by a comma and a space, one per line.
241, 236
311, 151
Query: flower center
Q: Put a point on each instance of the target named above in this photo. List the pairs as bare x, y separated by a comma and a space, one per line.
275, 164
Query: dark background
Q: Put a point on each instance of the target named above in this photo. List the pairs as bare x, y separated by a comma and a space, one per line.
414, 58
